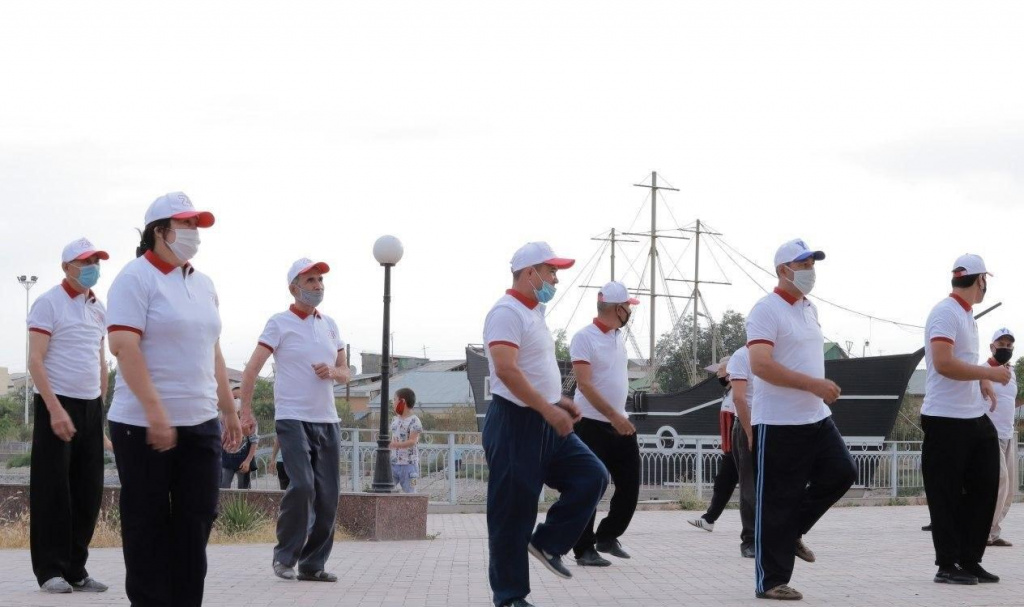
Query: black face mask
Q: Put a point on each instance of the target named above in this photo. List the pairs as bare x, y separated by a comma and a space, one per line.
1003, 355
724, 381
624, 321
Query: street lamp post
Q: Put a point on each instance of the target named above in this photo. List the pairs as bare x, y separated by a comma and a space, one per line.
28, 282
388, 252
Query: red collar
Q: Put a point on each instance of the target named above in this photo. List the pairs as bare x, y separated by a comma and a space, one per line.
993, 363
72, 293
600, 325
163, 266
302, 315
526, 301
786, 296
963, 302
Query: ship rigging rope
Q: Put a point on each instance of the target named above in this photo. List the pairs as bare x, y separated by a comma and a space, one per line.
897, 323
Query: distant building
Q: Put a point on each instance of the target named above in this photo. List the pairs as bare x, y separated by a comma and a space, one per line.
365, 387
371, 363
834, 351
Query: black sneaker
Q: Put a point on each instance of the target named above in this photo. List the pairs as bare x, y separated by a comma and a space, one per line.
984, 577
553, 563
517, 603
613, 547
590, 558
747, 551
955, 575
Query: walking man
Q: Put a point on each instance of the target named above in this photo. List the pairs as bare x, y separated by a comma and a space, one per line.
960, 452
310, 356
741, 380
1003, 417
600, 361
528, 435
802, 465
66, 343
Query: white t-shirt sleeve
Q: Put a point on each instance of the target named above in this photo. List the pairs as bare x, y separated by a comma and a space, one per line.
339, 342
127, 303
942, 326
271, 336
41, 318
739, 366
762, 325
503, 327
581, 349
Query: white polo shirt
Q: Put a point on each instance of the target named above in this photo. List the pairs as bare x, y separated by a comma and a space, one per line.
952, 321
604, 349
299, 341
76, 325
728, 404
175, 310
1006, 404
519, 322
791, 326
738, 369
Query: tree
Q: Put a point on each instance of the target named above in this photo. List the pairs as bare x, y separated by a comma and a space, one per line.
1018, 369
675, 349
561, 345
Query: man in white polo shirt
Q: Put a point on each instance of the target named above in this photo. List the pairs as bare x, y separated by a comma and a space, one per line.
600, 361
741, 379
1003, 417
310, 356
960, 452
528, 439
802, 465
66, 329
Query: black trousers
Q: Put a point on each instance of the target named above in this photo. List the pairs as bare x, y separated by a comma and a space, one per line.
800, 471
65, 489
960, 465
725, 485
282, 475
168, 505
621, 456
745, 468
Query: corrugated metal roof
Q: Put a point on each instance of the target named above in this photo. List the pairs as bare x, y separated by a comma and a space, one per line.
434, 389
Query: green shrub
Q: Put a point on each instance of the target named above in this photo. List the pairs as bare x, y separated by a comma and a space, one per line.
239, 516
22, 459
688, 499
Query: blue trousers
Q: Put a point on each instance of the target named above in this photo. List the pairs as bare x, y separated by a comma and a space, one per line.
523, 454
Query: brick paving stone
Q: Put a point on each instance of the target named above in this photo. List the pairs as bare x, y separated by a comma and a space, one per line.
869, 556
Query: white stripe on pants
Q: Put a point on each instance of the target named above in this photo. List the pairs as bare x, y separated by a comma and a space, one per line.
1007, 483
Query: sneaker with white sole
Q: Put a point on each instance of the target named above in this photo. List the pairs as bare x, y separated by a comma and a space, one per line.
89, 585
56, 585
553, 563
701, 523
284, 571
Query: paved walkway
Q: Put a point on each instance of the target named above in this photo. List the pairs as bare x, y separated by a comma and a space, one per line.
868, 556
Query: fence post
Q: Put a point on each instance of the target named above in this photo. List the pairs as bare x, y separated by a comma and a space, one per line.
356, 466
700, 469
894, 469
451, 468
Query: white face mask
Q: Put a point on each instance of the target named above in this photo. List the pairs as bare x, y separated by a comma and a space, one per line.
186, 243
803, 280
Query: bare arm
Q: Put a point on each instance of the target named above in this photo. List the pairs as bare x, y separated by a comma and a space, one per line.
252, 368
125, 346
104, 373
952, 367
739, 399
768, 369
506, 367
585, 383
60, 421
341, 372
232, 427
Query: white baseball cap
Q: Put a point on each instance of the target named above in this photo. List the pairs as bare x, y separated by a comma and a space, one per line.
176, 205
533, 253
1004, 332
81, 249
969, 265
305, 265
796, 250
718, 366
616, 293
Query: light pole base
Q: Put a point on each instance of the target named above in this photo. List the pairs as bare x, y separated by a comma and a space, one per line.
383, 481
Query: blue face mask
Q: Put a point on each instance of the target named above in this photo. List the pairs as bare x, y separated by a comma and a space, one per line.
545, 293
88, 276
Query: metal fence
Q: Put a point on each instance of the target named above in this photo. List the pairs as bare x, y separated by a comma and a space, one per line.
453, 469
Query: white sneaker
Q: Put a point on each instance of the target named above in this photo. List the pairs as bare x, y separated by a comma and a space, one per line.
701, 523
56, 585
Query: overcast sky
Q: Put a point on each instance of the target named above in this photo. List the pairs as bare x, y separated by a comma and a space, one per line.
890, 135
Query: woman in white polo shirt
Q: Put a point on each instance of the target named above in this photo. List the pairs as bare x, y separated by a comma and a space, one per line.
164, 329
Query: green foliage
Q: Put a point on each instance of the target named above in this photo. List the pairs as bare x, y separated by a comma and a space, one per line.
108, 398
348, 419
561, 345
676, 349
1018, 369
688, 499
455, 419
12, 412
20, 460
239, 516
